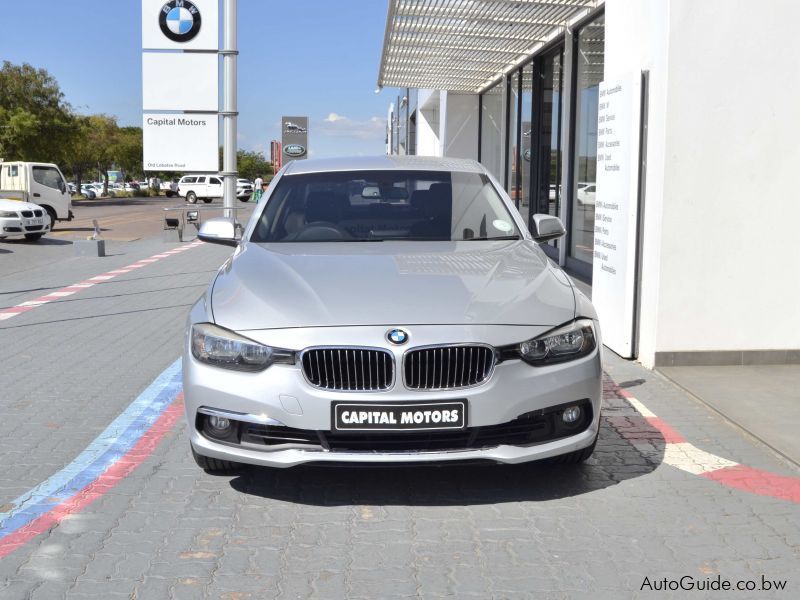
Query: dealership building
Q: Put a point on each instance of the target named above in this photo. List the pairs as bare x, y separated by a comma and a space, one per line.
649, 128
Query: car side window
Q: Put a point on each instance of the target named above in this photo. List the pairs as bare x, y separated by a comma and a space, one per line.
214, 181
201, 180
189, 179
47, 176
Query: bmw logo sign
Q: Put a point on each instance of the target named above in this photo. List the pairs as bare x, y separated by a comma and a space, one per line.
398, 337
179, 20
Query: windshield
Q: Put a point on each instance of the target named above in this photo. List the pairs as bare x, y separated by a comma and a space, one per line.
362, 206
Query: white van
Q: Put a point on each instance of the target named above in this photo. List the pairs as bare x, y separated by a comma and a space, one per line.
37, 183
200, 187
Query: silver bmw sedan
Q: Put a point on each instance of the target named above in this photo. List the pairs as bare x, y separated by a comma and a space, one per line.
389, 310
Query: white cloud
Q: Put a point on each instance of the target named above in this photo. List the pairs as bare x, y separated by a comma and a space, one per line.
335, 125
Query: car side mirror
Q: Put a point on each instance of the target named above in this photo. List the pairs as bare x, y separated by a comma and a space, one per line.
218, 231
62, 186
546, 228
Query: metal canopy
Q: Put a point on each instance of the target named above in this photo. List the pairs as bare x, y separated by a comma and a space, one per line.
465, 45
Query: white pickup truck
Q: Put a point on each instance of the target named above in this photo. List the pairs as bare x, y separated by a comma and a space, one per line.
37, 183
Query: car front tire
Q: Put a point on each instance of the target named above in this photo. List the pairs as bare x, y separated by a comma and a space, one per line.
191, 198
576, 457
53, 217
214, 465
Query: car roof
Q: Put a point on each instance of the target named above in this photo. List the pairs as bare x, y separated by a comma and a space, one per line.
382, 163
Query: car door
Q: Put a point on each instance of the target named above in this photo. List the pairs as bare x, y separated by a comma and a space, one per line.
214, 187
49, 189
201, 187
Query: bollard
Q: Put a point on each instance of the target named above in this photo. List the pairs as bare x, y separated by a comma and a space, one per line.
91, 246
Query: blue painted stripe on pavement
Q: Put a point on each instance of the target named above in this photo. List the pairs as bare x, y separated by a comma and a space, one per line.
119, 437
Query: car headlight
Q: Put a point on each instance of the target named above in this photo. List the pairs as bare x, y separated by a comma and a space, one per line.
571, 341
7, 214
216, 346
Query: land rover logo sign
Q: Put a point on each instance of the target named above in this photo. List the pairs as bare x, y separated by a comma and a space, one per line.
179, 20
294, 150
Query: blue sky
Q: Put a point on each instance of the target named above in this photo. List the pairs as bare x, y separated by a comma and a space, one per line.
93, 49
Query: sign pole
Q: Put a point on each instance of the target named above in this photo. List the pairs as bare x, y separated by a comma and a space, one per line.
229, 109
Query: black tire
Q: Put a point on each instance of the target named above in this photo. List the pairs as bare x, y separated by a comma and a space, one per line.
244, 199
191, 198
207, 200
214, 465
53, 216
33, 237
576, 457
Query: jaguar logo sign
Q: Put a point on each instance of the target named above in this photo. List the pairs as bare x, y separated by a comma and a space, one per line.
294, 150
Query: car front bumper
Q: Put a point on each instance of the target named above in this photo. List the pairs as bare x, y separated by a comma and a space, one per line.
281, 394
11, 227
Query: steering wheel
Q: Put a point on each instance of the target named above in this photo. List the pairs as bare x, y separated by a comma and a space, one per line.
322, 231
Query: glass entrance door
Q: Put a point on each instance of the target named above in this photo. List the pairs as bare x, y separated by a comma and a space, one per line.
546, 142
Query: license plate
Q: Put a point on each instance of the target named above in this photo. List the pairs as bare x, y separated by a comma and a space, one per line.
29, 222
399, 416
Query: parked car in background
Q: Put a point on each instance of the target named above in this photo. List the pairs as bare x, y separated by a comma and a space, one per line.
453, 339
88, 191
22, 219
38, 183
73, 189
586, 194
170, 188
244, 189
200, 187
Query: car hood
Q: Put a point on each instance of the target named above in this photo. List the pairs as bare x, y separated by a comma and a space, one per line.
16, 205
273, 286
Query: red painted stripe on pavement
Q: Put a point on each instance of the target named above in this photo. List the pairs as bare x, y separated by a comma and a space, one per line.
100, 486
758, 482
670, 435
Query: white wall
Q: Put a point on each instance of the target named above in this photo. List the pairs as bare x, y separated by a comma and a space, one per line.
428, 130
720, 261
636, 40
461, 125
730, 274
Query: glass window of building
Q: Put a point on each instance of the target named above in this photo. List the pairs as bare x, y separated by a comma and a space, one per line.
492, 130
512, 161
548, 192
526, 135
589, 67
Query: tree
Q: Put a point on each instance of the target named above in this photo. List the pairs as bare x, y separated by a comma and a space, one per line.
128, 151
80, 154
102, 137
36, 124
253, 164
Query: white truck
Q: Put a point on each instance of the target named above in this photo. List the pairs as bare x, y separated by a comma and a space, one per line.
202, 187
37, 183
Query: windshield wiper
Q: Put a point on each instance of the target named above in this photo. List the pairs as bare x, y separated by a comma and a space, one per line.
491, 239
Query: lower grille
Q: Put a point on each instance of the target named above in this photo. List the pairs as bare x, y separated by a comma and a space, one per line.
349, 369
271, 435
448, 367
530, 428
34, 228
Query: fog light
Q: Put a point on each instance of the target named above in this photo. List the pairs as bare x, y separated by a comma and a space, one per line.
219, 424
571, 415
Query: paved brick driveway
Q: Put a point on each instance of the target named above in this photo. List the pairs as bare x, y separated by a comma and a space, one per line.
168, 530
